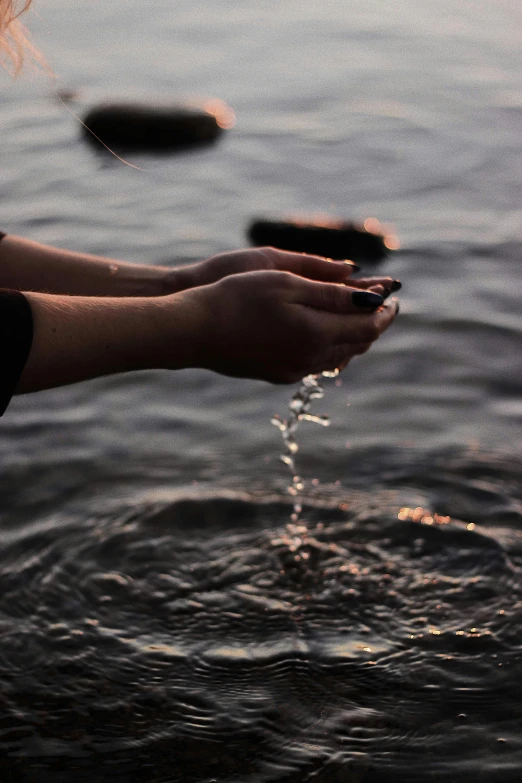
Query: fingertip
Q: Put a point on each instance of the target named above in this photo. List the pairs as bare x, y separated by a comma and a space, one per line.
379, 289
367, 299
390, 306
386, 314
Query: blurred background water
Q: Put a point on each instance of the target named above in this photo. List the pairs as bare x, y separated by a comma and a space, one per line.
155, 623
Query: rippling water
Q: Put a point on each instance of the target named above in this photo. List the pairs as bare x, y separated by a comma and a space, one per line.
159, 619
195, 635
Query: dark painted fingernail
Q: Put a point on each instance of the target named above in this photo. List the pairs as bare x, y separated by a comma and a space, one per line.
396, 285
366, 299
355, 267
397, 308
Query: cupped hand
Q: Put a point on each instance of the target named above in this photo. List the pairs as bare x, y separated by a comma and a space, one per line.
278, 326
236, 262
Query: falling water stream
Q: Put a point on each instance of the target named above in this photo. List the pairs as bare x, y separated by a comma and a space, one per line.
297, 539
310, 389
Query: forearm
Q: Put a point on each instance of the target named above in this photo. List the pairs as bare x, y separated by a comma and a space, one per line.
30, 266
76, 338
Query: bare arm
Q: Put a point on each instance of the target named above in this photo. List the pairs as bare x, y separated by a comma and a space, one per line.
78, 337
31, 266
273, 326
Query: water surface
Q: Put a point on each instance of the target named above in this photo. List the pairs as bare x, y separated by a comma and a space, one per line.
159, 621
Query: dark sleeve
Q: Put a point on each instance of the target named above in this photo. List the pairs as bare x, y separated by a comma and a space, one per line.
16, 336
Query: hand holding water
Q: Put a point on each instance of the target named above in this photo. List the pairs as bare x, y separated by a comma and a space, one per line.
278, 326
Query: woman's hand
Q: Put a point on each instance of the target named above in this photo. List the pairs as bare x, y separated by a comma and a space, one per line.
263, 259
277, 326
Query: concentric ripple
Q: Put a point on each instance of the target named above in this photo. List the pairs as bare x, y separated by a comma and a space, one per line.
206, 638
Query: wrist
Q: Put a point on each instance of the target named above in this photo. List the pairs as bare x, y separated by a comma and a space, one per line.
137, 280
182, 325
167, 280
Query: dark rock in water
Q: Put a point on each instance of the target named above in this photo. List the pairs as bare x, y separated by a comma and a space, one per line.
151, 128
326, 237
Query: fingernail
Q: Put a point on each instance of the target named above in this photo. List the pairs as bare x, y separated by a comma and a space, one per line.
396, 285
366, 299
397, 308
355, 267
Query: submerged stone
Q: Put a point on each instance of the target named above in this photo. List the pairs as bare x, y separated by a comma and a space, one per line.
156, 127
328, 237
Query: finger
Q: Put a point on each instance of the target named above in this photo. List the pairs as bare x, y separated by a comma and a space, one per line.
314, 267
341, 299
354, 328
342, 353
389, 283
377, 289
353, 349
339, 356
